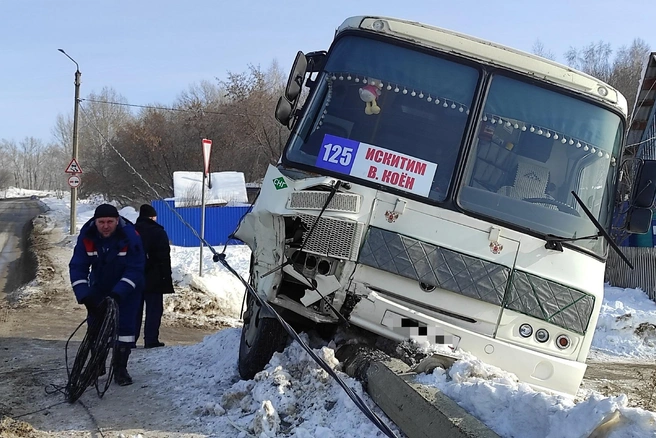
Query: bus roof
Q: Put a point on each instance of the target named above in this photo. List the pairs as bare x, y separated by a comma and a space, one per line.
490, 53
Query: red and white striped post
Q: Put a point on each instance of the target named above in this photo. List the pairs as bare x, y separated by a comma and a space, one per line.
207, 149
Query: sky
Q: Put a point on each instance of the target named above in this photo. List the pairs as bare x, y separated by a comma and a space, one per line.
150, 51
203, 384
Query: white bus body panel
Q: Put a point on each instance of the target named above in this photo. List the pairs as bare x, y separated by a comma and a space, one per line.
483, 328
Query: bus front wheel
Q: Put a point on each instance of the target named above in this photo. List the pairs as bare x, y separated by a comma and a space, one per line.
261, 336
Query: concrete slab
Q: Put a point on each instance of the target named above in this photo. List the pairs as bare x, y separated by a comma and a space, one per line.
418, 410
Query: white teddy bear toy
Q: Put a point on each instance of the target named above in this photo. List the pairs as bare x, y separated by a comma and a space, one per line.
369, 93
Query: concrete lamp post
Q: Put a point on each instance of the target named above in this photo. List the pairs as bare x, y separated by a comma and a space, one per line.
78, 75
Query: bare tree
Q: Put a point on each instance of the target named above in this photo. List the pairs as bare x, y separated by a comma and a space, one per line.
149, 145
627, 69
11, 159
257, 138
6, 179
53, 163
33, 165
31, 154
63, 131
594, 59
539, 49
237, 114
102, 117
622, 72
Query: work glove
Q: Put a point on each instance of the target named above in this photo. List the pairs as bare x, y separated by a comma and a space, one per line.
113, 295
92, 303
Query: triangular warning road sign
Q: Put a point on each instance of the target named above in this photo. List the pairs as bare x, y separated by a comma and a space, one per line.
73, 167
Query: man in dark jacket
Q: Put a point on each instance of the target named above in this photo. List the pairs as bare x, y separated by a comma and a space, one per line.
158, 274
108, 261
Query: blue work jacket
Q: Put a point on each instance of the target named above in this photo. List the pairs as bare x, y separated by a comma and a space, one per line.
113, 265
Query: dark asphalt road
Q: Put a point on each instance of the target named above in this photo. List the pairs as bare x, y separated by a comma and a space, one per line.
15, 222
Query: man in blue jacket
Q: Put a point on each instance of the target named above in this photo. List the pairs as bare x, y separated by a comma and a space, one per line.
108, 261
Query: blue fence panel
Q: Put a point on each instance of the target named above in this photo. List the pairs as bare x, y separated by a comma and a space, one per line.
220, 222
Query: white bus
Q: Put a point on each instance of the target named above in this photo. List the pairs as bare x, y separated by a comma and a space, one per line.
440, 187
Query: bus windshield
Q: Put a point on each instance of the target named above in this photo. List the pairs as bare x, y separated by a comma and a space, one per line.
533, 148
399, 123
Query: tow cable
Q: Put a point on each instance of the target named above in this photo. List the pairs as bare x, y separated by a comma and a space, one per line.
352, 395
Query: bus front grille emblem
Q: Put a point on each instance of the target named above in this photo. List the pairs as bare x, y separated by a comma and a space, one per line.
391, 216
496, 247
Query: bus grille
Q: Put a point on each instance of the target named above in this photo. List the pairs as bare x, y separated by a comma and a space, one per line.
480, 279
315, 200
332, 237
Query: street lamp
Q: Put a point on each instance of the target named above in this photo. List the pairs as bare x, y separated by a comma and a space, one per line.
75, 118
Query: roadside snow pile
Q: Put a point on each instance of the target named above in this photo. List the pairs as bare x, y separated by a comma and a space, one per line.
15, 192
44, 224
507, 406
215, 298
293, 396
626, 325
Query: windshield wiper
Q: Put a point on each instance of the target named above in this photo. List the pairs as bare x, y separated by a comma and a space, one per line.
556, 241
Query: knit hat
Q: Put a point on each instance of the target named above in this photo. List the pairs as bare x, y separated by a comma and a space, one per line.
105, 210
147, 210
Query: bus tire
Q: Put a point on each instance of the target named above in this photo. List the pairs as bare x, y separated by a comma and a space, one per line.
260, 337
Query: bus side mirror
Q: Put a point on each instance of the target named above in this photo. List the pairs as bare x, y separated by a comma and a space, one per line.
296, 77
639, 221
315, 60
645, 185
284, 110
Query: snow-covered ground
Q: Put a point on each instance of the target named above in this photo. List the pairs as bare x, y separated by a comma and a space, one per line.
15, 192
294, 397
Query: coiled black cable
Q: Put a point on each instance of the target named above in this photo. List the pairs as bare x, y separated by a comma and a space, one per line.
91, 358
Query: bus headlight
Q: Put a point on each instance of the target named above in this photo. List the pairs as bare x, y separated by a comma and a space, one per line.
525, 330
542, 335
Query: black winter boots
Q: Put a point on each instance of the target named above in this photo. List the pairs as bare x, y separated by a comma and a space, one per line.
155, 344
121, 355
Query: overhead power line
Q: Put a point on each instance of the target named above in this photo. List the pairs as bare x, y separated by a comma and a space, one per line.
163, 108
